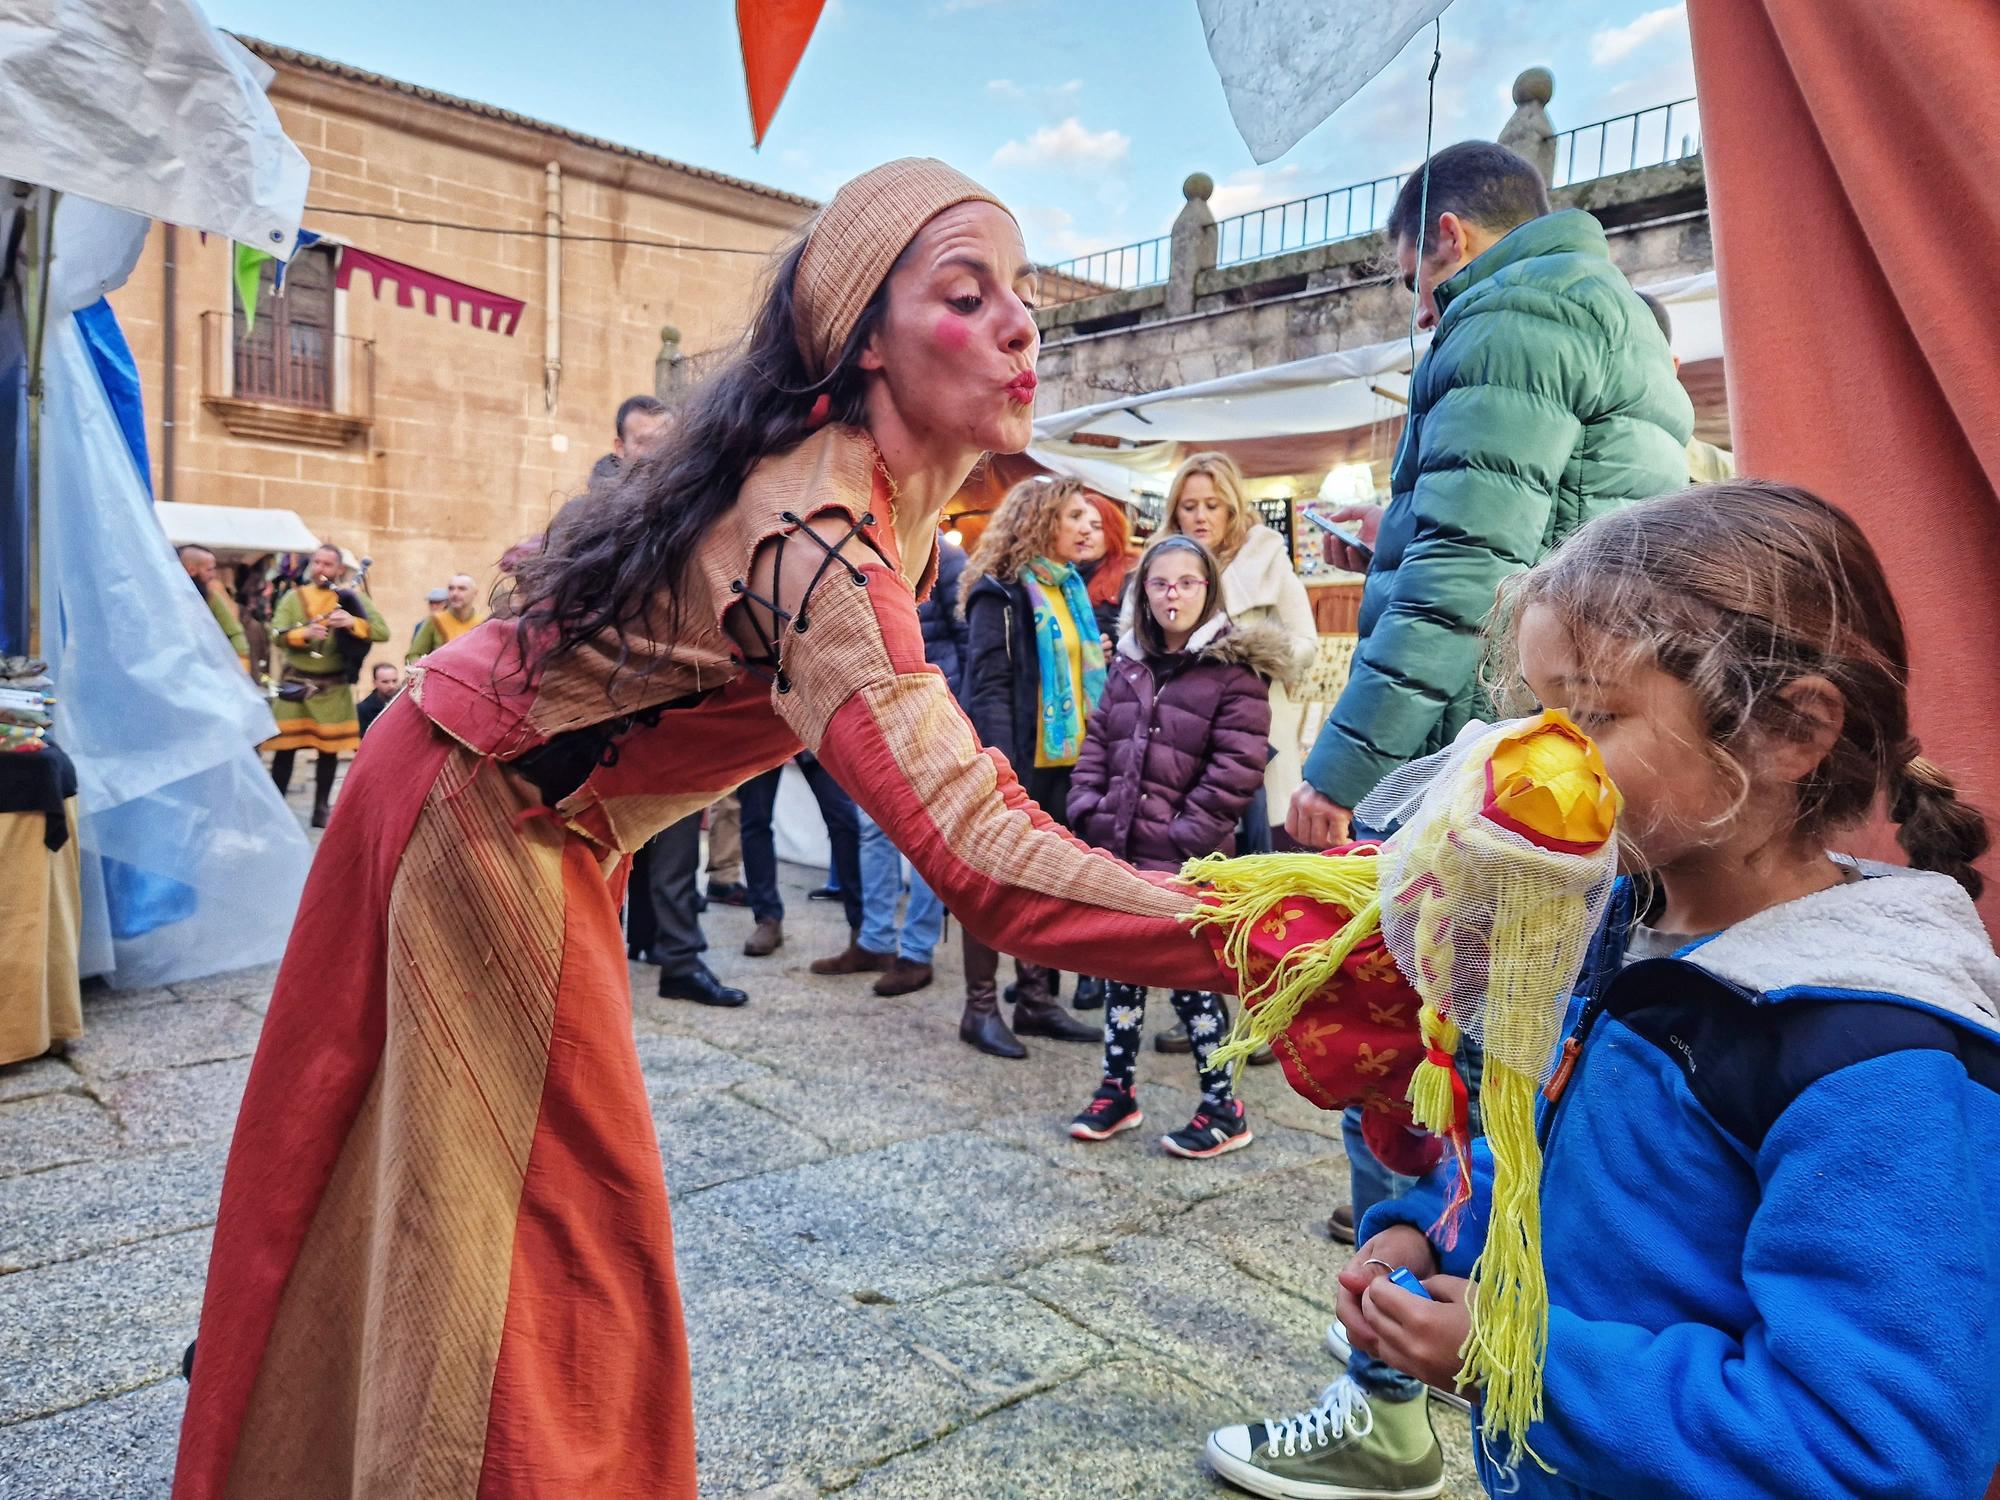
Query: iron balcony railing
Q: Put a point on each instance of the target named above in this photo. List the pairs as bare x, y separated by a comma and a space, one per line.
1645, 138
1142, 264
1624, 143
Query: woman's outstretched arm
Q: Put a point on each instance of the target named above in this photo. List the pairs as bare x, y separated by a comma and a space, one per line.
857, 691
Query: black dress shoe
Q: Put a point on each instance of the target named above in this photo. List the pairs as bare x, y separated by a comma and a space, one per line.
728, 893
700, 986
1089, 994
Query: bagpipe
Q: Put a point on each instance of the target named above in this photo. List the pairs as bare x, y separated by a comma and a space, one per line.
351, 649
1363, 968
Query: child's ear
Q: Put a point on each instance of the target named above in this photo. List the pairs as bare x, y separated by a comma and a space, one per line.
1818, 715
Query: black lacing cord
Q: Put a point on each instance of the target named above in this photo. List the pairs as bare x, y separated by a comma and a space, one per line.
780, 616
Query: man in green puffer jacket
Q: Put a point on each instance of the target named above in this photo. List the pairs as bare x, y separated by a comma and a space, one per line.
1547, 397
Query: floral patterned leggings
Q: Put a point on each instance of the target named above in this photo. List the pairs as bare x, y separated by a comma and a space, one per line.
1201, 1011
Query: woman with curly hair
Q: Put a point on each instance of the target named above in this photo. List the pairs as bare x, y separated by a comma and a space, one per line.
1034, 669
443, 1266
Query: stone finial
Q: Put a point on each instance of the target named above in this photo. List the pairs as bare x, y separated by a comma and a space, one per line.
1528, 130
1192, 247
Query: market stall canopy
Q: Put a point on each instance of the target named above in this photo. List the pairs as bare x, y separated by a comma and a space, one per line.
146, 107
233, 528
1325, 393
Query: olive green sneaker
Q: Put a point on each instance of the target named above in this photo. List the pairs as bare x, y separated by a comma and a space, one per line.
1343, 1448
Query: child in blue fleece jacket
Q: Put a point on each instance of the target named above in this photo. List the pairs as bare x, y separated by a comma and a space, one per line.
1771, 1242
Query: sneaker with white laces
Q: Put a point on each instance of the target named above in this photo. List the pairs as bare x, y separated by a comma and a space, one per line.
1344, 1448
1338, 1346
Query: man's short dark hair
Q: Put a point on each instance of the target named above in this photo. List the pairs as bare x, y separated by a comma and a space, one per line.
1659, 311
1480, 181
652, 405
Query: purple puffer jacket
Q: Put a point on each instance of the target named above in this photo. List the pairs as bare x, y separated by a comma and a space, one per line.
1177, 745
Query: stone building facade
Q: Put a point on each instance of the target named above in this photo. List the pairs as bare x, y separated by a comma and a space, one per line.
426, 442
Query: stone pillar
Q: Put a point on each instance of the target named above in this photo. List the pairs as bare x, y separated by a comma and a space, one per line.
1192, 248
670, 366
1528, 130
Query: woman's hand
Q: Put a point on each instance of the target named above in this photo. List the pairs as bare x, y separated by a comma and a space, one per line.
1316, 820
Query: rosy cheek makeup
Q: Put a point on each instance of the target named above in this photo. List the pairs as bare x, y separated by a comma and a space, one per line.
951, 332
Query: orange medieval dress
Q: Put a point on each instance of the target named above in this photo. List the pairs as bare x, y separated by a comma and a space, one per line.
443, 1266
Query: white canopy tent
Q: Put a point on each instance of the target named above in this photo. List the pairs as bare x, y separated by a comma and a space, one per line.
233, 528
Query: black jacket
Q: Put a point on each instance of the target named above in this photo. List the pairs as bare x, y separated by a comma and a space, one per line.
945, 629
1003, 679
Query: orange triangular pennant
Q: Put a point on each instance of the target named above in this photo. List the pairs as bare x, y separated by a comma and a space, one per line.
774, 34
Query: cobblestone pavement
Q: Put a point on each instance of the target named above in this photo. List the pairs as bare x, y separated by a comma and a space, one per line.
901, 1278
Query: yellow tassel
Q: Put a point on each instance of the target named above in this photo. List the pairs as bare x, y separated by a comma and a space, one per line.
1242, 892
1431, 1100
1510, 1307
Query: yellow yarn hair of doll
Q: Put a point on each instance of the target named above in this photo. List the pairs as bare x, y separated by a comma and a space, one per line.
1242, 891
1431, 1100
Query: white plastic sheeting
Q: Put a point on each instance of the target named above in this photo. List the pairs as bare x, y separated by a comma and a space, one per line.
1286, 65
193, 862
144, 106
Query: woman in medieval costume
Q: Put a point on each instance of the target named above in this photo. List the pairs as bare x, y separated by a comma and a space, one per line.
443, 1266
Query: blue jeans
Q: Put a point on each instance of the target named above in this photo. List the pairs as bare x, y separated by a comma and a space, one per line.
758, 797
882, 888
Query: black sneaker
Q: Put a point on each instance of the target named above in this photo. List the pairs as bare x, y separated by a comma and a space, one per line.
1213, 1130
1111, 1109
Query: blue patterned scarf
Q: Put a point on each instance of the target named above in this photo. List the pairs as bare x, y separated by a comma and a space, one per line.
1060, 717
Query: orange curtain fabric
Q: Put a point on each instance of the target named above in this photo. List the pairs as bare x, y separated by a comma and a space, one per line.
1850, 159
774, 35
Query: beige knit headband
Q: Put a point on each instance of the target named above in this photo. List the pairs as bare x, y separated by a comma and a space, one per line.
856, 239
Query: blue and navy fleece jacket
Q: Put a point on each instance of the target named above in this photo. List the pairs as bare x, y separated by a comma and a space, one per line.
1769, 1219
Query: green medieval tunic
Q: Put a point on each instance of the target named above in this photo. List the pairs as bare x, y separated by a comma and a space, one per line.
325, 718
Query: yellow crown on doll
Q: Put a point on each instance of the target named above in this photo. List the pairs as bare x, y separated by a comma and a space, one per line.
1546, 779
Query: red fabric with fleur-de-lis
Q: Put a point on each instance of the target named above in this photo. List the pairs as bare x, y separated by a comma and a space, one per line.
1353, 1043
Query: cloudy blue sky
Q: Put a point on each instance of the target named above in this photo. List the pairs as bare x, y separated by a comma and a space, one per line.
1085, 115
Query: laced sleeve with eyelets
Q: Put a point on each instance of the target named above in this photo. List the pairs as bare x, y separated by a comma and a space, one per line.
849, 676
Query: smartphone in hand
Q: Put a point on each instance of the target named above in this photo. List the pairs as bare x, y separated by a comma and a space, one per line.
1344, 533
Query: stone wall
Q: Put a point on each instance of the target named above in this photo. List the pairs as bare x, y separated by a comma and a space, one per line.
465, 454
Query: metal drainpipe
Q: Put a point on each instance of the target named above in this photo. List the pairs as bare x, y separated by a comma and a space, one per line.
552, 227
167, 357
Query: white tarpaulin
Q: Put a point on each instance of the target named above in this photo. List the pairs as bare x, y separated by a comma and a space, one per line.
1325, 393
233, 528
143, 105
1286, 65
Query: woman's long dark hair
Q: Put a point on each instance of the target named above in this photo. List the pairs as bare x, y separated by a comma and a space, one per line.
617, 555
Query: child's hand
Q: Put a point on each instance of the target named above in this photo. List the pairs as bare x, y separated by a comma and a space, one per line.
1398, 1245
1418, 1337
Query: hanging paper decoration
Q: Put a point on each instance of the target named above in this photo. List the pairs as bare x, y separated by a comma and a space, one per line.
774, 35
501, 313
248, 275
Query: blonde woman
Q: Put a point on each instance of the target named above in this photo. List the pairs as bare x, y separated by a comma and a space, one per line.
1206, 501
1034, 669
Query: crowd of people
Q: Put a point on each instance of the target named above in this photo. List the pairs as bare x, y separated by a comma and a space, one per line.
1773, 1047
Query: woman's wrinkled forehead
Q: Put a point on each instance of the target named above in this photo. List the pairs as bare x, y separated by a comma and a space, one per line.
981, 237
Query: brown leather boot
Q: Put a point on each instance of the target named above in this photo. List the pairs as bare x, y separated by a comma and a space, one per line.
1036, 1014
766, 938
905, 977
853, 959
981, 1025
